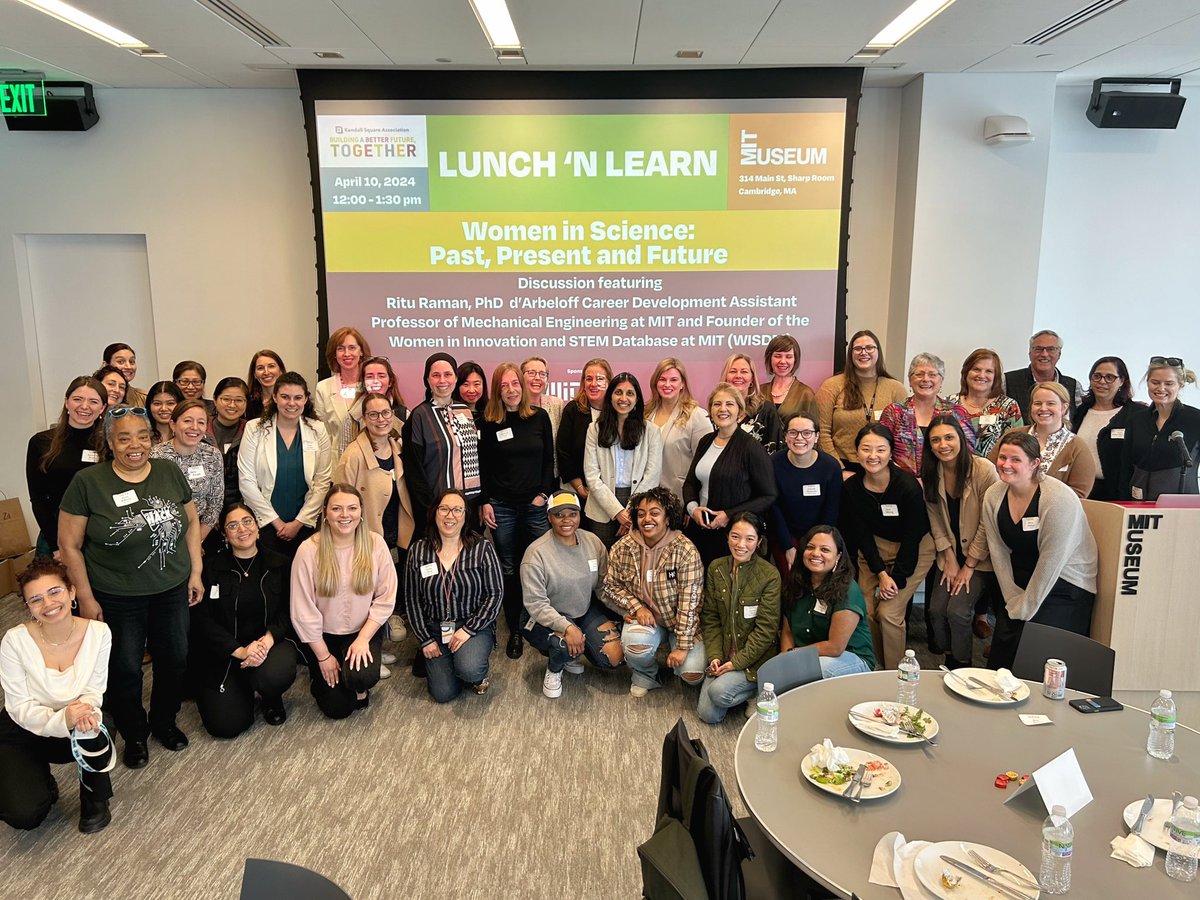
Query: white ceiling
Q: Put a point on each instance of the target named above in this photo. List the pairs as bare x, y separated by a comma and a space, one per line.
1133, 38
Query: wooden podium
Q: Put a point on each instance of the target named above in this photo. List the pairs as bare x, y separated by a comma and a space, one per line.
1149, 570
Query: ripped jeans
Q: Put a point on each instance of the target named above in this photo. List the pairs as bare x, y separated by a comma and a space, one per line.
641, 643
594, 624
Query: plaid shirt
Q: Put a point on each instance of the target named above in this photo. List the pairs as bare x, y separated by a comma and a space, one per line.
677, 584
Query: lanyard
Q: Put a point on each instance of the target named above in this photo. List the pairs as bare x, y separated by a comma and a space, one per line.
871, 407
449, 577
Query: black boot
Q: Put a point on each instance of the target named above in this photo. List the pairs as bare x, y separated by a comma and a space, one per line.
94, 814
513, 604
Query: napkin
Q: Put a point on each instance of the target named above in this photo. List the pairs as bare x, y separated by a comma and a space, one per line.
1006, 681
827, 756
892, 865
1133, 849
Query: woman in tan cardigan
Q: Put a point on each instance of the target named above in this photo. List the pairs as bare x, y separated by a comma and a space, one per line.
1063, 457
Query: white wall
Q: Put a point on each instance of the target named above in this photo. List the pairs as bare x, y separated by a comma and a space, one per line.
217, 181
1120, 268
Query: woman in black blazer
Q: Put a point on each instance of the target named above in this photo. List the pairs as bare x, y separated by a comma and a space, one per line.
1151, 462
730, 474
1101, 419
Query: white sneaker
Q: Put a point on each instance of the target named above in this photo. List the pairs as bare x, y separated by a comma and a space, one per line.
388, 659
384, 671
636, 690
552, 684
575, 667
396, 630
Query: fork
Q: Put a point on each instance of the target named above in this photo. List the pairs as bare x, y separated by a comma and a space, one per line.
997, 870
864, 782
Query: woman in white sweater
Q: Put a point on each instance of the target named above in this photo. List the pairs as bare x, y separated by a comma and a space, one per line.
54, 670
1042, 550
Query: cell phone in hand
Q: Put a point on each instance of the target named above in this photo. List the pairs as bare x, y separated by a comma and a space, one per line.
707, 517
1096, 704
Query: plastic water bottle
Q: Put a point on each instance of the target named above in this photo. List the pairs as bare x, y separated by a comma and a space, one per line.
909, 677
767, 737
1184, 841
1161, 742
1058, 838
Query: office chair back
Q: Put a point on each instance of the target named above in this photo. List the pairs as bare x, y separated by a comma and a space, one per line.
1090, 664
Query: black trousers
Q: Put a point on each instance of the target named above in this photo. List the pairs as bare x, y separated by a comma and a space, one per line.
27, 786
228, 708
339, 701
268, 537
1066, 606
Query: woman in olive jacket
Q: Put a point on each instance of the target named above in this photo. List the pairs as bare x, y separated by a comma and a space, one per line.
739, 619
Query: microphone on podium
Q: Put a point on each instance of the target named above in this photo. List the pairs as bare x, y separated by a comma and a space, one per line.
1177, 439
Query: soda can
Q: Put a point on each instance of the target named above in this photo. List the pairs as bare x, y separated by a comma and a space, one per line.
1054, 681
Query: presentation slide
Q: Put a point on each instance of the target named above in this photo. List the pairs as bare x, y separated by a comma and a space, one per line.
629, 230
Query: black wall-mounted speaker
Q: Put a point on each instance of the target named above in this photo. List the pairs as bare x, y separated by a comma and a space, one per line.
70, 106
1134, 109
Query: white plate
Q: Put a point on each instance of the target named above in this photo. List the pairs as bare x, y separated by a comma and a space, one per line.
982, 695
884, 783
877, 728
1153, 831
929, 867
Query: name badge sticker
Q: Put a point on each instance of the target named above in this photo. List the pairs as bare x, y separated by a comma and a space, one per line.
89, 456
504, 434
125, 498
1031, 523
990, 419
750, 612
891, 510
447, 632
195, 471
821, 607
812, 490
309, 446
1135, 492
593, 565
347, 393
1118, 434
429, 570
214, 592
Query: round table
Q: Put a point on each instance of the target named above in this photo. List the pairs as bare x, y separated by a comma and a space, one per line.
948, 792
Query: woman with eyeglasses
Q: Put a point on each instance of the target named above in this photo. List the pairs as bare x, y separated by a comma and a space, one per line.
759, 418
730, 474
622, 456
56, 454
122, 358
578, 416
116, 388
808, 482
516, 461
535, 373
265, 368
1162, 441
334, 397
453, 589
285, 465
909, 421
1041, 548
681, 422
162, 398
343, 592
440, 442
1101, 419
129, 536
1062, 456
787, 393
739, 619
241, 644
190, 377
884, 510
856, 397
199, 461
981, 396
54, 672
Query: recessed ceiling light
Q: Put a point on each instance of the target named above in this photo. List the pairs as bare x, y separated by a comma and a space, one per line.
688, 54
147, 52
497, 24
908, 22
327, 54
443, 59
77, 18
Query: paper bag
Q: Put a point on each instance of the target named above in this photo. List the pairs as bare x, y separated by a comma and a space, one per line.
14, 536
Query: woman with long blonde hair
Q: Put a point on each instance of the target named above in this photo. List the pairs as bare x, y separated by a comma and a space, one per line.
680, 419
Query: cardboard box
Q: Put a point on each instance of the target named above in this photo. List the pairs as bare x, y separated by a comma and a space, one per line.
9, 570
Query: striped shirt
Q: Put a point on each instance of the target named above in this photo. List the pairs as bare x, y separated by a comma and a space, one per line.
468, 593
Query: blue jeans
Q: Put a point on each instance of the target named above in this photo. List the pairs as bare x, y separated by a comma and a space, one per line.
718, 695
447, 673
517, 526
154, 622
846, 664
641, 645
591, 623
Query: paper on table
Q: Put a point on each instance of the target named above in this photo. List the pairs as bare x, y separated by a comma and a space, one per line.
1030, 719
827, 756
1133, 849
892, 866
1060, 782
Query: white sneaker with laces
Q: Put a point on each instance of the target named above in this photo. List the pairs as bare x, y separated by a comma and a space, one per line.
388, 659
396, 630
552, 684
384, 671
636, 690
575, 667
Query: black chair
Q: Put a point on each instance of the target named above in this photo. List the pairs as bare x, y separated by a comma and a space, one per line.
266, 879
1090, 664
790, 670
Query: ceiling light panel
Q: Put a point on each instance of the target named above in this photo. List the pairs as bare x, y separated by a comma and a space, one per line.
85, 22
908, 22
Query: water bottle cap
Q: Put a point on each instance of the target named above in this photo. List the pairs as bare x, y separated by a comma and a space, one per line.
767, 686
1191, 802
1165, 694
910, 653
1058, 810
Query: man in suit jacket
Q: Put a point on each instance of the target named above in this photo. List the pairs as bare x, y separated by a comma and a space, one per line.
1045, 348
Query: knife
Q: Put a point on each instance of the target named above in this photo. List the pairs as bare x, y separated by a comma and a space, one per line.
1140, 821
903, 730
987, 879
995, 690
854, 782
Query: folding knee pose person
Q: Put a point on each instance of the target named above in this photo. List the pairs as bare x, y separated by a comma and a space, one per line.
656, 579
343, 590
54, 670
562, 575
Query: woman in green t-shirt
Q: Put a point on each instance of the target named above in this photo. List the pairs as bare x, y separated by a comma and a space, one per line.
825, 608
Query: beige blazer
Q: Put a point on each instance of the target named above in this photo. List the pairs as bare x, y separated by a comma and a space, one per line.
256, 469
679, 444
332, 409
360, 467
600, 471
970, 510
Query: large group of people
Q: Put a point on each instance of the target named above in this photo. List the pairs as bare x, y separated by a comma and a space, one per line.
273, 527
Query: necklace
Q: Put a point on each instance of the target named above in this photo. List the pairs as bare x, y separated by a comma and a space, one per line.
48, 642
246, 571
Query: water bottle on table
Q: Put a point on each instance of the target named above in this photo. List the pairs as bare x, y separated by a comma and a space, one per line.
1161, 742
1184, 841
908, 676
767, 736
1058, 839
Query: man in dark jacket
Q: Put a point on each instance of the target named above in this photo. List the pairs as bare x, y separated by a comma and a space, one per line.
1045, 348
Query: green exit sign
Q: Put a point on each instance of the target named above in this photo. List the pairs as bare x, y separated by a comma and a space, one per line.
22, 98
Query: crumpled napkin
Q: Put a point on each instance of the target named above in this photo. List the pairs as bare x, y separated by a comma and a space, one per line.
1006, 681
827, 756
892, 865
880, 727
1133, 849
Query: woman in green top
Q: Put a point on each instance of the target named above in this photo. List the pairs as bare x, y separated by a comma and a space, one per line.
739, 619
825, 608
